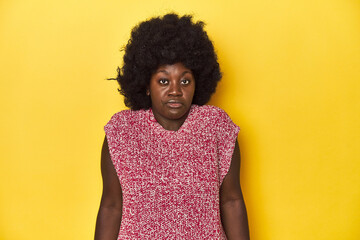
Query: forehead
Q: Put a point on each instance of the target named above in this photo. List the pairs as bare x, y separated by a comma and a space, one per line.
173, 69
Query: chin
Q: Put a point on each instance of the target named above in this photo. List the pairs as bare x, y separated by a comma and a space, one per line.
177, 113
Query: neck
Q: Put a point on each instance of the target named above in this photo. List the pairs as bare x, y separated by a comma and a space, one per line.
170, 124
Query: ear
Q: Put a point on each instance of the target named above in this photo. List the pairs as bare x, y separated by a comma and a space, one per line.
147, 92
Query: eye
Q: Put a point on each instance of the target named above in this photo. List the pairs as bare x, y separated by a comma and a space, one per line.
163, 81
185, 81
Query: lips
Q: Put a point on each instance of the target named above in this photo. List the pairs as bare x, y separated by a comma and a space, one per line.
174, 104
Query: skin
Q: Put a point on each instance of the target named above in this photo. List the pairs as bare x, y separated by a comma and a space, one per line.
110, 211
232, 205
171, 89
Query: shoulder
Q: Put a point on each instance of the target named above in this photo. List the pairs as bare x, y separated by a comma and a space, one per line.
217, 118
122, 115
208, 116
125, 118
210, 111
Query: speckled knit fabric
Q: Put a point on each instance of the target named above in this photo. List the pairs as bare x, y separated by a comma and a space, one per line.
171, 179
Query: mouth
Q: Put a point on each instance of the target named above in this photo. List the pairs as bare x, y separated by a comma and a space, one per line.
174, 104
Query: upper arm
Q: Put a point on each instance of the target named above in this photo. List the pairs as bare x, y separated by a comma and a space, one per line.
230, 187
112, 193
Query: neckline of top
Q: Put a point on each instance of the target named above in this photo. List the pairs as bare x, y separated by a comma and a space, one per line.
157, 126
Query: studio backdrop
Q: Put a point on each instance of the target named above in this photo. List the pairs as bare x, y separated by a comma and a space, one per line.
291, 81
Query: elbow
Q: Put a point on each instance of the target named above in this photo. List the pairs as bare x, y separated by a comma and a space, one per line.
234, 203
111, 205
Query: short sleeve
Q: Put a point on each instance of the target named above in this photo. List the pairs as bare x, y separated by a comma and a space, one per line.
227, 132
113, 137
111, 129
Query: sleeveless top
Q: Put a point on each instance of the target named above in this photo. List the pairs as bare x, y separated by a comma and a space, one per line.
170, 180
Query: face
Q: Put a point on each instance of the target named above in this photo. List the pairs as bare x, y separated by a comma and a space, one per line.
171, 90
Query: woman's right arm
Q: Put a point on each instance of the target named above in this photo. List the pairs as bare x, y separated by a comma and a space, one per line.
110, 211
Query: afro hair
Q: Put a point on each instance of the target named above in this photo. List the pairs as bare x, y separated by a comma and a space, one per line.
167, 40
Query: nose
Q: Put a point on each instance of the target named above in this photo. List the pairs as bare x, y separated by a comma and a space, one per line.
175, 89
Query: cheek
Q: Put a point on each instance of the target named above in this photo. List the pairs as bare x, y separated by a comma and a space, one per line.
191, 92
156, 97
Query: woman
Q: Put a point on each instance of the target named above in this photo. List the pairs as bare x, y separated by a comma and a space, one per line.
170, 164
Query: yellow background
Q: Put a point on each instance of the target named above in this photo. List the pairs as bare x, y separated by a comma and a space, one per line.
291, 82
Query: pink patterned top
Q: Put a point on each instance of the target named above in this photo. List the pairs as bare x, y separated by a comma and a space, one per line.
171, 179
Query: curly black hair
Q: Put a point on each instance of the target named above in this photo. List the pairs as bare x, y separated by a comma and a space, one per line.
167, 40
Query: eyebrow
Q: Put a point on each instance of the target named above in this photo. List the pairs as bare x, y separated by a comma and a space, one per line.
167, 73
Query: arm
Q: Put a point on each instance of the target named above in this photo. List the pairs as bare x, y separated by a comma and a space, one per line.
232, 206
110, 211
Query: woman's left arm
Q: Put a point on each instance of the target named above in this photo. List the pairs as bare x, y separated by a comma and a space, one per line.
232, 206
